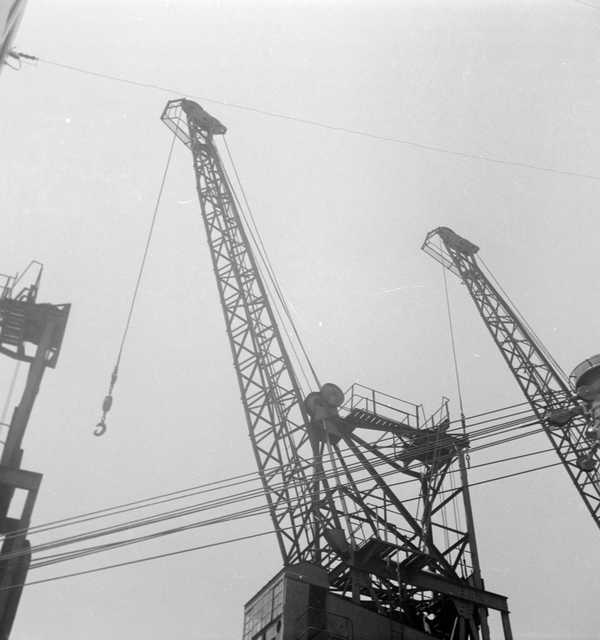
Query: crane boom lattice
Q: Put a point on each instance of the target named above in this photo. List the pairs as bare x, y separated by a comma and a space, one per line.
270, 392
566, 420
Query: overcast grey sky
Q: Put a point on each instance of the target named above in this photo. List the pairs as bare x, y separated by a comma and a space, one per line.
343, 217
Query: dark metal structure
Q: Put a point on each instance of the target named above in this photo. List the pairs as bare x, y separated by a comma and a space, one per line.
11, 14
568, 413
361, 487
30, 332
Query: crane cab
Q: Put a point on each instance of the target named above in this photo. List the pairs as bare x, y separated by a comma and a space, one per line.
585, 379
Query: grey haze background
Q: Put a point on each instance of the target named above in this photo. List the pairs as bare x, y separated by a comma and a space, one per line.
343, 217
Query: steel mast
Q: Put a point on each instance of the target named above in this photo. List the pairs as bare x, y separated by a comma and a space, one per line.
568, 414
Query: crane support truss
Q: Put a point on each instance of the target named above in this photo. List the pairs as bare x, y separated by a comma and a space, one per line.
539, 379
374, 510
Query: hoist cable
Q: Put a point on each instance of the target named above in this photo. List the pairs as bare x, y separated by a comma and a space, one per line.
455, 359
106, 405
453, 344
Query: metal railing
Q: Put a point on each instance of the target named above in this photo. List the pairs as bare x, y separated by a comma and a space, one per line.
368, 399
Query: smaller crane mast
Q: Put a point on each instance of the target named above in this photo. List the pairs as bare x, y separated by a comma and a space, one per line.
568, 414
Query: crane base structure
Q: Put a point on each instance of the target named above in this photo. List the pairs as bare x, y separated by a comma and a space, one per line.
382, 581
298, 604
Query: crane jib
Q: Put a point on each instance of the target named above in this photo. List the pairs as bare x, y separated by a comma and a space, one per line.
570, 415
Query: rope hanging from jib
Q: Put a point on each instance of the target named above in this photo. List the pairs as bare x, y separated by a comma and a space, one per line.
101, 427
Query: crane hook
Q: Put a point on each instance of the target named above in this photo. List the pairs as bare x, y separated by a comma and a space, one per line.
100, 428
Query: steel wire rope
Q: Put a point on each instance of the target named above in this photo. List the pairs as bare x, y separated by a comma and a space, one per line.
226, 518
107, 404
78, 553
487, 413
162, 517
219, 485
145, 559
455, 359
255, 493
321, 125
106, 512
453, 345
228, 541
216, 486
357, 466
253, 511
265, 510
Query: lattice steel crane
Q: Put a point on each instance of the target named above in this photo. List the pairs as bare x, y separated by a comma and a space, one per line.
30, 332
568, 410
343, 529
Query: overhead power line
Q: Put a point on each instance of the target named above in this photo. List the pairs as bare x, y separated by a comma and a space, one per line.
324, 125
